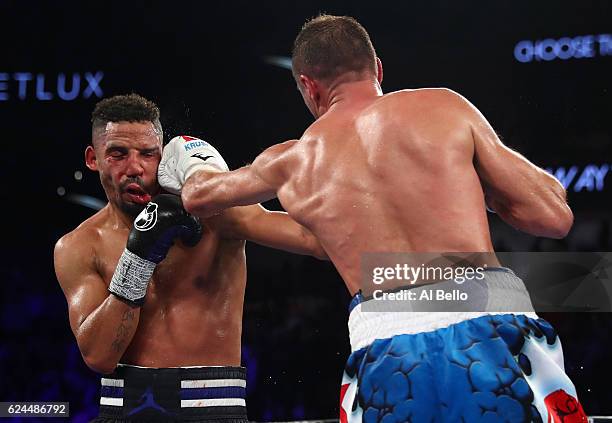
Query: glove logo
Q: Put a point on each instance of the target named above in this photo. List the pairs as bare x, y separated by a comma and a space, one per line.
195, 144
201, 156
147, 218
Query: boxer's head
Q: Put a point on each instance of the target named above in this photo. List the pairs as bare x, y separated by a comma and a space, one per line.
330, 50
126, 150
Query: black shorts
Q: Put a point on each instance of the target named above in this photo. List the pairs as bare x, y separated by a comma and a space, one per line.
184, 394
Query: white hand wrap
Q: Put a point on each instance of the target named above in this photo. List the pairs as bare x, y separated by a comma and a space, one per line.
183, 156
131, 277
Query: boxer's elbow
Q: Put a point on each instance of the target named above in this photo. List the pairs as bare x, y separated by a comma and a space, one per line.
560, 222
317, 251
103, 365
313, 246
95, 356
550, 221
559, 218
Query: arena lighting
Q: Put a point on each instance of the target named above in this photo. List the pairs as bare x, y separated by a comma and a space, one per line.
280, 61
84, 200
44, 87
591, 178
578, 47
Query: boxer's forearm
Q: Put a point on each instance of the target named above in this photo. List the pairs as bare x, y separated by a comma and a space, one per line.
205, 194
273, 229
106, 333
543, 211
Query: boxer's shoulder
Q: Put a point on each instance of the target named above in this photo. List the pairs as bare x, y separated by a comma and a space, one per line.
86, 236
277, 153
420, 97
319, 129
75, 253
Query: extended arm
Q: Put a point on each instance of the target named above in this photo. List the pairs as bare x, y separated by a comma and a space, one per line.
269, 228
206, 193
207, 189
521, 193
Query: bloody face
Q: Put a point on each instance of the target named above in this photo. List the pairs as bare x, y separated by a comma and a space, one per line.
127, 155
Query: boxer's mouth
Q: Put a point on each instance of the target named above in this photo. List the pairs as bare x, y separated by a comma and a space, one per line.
137, 194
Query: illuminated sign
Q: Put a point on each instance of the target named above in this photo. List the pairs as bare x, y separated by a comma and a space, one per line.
580, 47
590, 178
26, 85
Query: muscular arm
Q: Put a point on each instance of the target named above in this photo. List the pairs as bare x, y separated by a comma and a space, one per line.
269, 228
206, 193
522, 194
102, 324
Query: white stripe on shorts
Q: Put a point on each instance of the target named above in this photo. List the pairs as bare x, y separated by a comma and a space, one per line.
117, 402
112, 382
213, 402
213, 383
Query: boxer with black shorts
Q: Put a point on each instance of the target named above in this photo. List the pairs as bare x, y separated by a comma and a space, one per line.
407, 172
154, 295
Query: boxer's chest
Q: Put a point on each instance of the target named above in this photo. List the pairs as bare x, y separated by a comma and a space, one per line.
182, 268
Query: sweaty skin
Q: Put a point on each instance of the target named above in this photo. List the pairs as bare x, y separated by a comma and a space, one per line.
408, 171
193, 310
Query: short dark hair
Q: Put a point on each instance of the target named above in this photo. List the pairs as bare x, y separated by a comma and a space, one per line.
329, 46
125, 108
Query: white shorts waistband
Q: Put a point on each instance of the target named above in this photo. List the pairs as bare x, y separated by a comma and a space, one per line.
504, 293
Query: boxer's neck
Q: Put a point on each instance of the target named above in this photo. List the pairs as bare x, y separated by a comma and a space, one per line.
118, 218
348, 94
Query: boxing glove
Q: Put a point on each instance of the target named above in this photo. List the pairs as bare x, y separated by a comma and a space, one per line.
183, 156
155, 229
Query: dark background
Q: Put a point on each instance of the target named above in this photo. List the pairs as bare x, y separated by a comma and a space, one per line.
204, 64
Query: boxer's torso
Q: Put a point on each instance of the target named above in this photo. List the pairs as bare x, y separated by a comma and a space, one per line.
393, 174
192, 315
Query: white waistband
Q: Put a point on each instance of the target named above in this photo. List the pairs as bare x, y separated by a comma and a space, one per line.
501, 292
177, 367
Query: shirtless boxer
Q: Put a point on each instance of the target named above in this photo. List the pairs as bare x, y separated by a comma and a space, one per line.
174, 323
411, 171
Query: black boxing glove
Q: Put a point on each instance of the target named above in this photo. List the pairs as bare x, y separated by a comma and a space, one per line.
155, 229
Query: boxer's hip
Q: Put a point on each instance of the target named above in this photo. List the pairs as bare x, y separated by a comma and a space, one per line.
450, 366
207, 394
499, 292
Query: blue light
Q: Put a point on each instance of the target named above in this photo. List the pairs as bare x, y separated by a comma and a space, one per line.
592, 177
61, 87
565, 48
47, 88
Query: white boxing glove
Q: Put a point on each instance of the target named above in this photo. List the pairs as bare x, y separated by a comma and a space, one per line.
183, 156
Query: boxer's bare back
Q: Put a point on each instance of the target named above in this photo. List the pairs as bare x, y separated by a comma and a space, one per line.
402, 172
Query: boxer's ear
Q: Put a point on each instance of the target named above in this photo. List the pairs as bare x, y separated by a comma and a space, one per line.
311, 93
310, 87
90, 158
